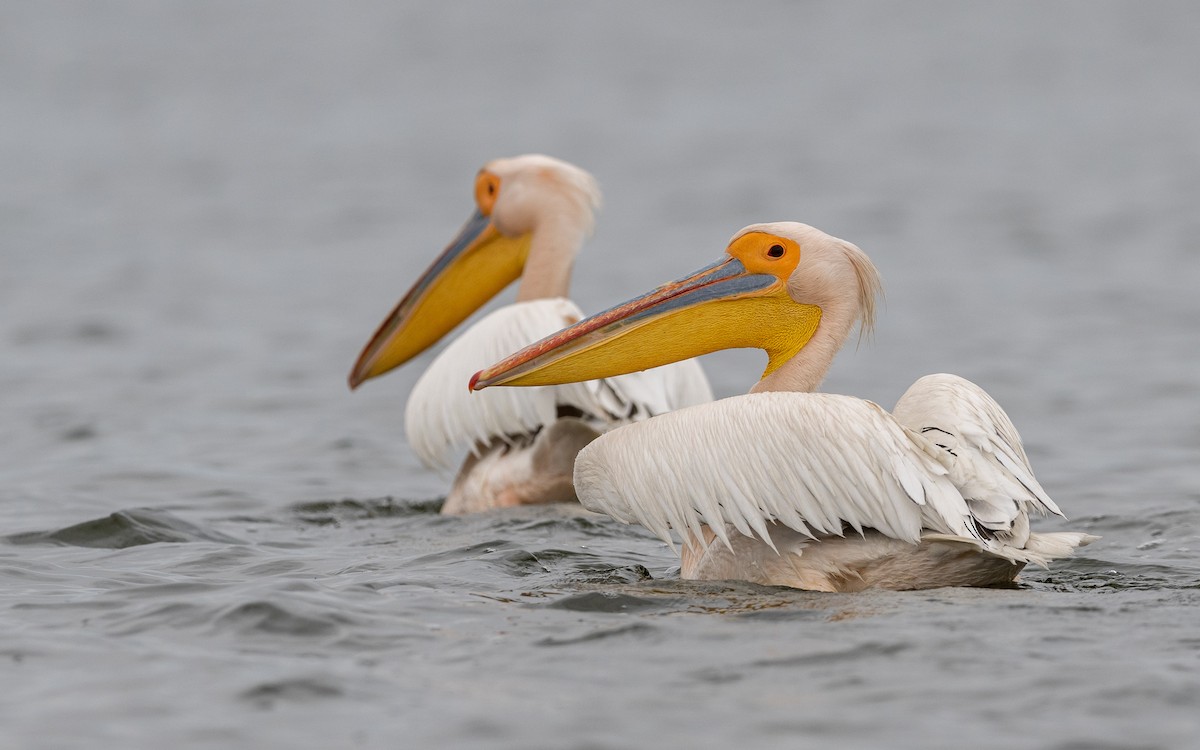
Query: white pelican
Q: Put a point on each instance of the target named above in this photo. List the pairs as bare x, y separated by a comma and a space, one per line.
784, 486
533, 213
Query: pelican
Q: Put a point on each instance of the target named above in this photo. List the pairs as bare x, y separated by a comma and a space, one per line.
784, 486
532, 215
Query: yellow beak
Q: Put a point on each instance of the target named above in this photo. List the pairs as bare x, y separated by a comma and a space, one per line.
722, 306
475, 267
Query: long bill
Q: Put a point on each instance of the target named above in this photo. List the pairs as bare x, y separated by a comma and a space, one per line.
473, 268
722, 306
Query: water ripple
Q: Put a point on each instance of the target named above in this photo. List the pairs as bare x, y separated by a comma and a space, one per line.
125, 528
605, 601
1100, 576
336, 512
295, 690
855, 653
637, 629
269, 618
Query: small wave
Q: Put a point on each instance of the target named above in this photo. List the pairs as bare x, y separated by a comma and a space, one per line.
786, 615
335, 512
125, 528
605, 601
174, 614
601, 574
295, 690
577, 567
269, 618
497, 555
733, 673
745, 600
1165, 518
855, 653
637, 629
518, 562
1095, 574
78, 433
566, 518
580, 567
461, 554
217, 559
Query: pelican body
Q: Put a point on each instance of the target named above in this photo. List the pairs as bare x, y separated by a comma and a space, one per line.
532, 215
784, 486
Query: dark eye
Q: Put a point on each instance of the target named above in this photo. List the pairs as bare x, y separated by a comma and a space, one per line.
775, 251
491, 188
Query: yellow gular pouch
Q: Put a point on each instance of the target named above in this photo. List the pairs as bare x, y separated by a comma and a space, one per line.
782, 326
791, 328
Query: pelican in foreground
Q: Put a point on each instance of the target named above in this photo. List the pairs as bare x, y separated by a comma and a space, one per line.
784, 486
532, 215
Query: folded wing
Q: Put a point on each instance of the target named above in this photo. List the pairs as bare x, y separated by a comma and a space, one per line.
983, 452
816, 463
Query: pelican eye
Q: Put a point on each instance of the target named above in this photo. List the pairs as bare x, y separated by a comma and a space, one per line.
487, 188
775, 251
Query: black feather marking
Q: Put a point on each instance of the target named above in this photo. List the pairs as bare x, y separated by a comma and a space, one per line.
939, 429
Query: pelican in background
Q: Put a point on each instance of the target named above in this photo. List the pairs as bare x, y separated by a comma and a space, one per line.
784, 486
532, 215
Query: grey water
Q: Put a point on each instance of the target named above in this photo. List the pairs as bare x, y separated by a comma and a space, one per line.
206, 541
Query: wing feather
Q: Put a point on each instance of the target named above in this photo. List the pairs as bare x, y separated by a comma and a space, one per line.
444, 418
812, 462
981, 449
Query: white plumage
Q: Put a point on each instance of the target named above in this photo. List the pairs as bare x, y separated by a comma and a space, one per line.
444, 417
532, 214
948, 465
785, 486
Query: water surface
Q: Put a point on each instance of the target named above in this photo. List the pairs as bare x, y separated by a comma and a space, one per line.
207, 208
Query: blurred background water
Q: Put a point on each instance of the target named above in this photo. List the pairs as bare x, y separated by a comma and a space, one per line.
206, 208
